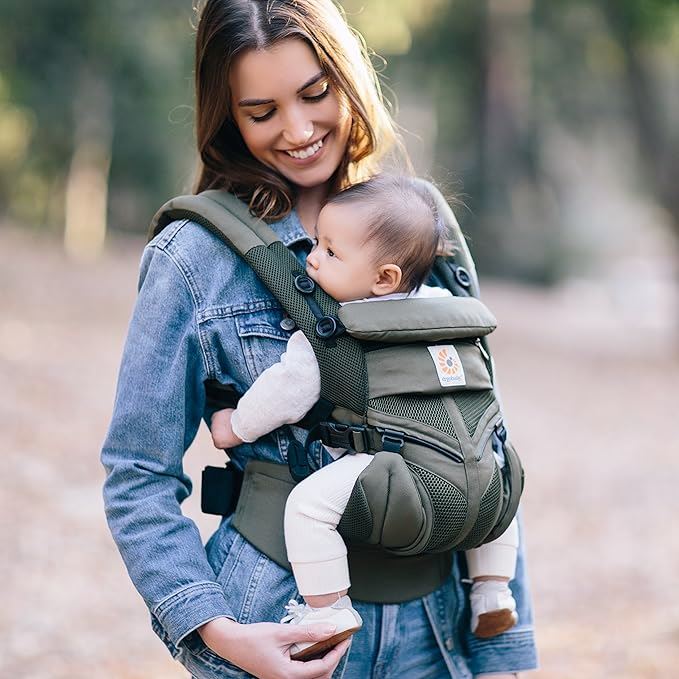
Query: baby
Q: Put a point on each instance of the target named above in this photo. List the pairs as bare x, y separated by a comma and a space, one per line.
375, 241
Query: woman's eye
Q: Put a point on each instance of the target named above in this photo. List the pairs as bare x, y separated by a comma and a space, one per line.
261, 119
317, 97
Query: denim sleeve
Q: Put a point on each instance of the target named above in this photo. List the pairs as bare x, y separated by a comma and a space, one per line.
158, 407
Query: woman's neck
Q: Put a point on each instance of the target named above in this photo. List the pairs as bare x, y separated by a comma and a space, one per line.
309, 204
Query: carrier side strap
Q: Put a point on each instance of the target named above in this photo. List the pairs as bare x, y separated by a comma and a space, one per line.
375, 575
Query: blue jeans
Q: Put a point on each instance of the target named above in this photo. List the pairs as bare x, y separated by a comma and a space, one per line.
396, 641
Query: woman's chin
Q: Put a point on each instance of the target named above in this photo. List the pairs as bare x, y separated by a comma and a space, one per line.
309, 177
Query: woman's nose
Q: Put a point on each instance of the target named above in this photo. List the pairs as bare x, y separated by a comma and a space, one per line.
298, 130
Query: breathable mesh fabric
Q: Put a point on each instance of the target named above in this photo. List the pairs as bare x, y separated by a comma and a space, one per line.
344, 379
449, 507
356, 522
487, 511
472, 405
426, 409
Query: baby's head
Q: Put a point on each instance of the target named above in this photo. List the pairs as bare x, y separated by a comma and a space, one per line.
375, 238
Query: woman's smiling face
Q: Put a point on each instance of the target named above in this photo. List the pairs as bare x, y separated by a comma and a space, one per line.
289, 113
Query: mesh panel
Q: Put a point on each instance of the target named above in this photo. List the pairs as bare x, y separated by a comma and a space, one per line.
426, 409
356, 522
472, 405
344, 379
487, 512
448, 504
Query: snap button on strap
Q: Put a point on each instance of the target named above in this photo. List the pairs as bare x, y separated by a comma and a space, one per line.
304, 284
326, 327
462, 277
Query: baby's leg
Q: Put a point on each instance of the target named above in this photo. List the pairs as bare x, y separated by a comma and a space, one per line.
318, 554
316, 550
491, 567
497, 559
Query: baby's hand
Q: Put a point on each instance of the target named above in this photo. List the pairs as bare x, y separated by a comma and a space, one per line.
222, 433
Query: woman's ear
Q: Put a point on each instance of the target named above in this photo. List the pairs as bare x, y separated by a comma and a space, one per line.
388, 280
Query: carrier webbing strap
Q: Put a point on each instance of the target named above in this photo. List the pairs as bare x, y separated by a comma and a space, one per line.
341, 361
375, 575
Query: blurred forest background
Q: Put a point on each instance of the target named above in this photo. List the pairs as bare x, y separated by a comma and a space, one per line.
556, 127
554, 122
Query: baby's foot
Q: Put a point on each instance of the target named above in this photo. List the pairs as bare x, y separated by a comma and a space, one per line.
493, 608
341, 615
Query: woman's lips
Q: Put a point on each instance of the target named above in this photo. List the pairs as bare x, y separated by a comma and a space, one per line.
303, 162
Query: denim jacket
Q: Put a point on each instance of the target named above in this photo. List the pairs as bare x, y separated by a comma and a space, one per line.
202, 314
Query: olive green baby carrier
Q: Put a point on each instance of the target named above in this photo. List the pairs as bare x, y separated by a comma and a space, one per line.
409, 381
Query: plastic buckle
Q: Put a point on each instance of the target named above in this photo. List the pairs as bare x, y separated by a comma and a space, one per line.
298, 461
340, 435
501, 431
392, 441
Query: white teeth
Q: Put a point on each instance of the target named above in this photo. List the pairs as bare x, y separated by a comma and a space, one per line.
307, 152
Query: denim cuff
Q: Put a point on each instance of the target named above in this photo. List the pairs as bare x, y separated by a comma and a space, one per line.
513, 651
184, 611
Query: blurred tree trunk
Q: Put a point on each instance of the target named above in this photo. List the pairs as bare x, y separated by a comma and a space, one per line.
658, 147
87, 181
515, 212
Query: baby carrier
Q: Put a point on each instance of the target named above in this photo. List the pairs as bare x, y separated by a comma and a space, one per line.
408, 380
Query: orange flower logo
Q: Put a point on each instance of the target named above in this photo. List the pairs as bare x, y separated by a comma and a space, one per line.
448, 364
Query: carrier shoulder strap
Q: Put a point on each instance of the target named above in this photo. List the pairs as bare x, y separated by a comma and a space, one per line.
314, 312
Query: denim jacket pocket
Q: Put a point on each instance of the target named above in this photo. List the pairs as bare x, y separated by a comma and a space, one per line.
262, 338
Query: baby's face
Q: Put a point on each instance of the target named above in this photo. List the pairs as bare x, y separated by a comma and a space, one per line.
340, 262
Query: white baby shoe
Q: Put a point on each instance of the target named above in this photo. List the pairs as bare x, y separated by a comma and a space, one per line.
493, 608
341, 615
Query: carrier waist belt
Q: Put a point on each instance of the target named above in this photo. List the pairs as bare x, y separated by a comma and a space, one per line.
375, 575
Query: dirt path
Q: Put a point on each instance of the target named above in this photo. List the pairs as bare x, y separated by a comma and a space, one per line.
592, 411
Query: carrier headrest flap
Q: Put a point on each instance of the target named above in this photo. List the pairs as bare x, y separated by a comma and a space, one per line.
418, 319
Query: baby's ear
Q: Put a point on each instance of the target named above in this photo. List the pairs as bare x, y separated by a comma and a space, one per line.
388, 279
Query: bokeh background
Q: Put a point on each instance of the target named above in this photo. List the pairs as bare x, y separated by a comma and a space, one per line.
554, 126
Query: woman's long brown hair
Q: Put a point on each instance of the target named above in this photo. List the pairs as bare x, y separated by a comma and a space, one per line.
228, 28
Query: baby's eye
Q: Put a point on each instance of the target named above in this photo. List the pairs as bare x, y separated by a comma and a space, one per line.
330, 253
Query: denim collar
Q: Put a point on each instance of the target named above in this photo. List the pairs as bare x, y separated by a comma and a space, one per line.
290, 230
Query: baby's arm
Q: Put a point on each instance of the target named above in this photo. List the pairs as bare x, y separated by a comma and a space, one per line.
282, 394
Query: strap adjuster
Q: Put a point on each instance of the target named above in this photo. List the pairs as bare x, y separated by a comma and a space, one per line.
391, 440
338, 435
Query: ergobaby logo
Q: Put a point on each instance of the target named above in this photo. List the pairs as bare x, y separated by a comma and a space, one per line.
448, 365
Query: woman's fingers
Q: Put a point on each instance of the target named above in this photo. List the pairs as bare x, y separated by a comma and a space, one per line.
323, 668
290, 634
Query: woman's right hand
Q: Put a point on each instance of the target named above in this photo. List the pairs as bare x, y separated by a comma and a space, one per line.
263, 648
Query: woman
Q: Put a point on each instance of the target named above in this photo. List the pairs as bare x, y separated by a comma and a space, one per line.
288, 111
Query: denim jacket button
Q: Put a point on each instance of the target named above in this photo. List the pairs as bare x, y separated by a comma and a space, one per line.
287, 323
450, 644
